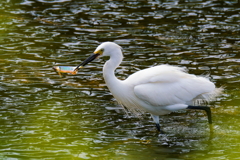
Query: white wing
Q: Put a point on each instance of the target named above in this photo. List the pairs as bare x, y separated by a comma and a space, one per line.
167, 85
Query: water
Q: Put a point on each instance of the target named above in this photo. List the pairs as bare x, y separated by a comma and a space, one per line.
44, 116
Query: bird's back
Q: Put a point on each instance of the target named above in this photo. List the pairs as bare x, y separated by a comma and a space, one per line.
165, 85
161, 73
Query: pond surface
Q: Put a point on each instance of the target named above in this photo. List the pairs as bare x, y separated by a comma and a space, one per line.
45, 116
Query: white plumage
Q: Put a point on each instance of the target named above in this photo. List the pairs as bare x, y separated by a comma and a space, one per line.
157, 90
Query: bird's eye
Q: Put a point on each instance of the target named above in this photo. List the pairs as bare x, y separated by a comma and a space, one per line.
101, 51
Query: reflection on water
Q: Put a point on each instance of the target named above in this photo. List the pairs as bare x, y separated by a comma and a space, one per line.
45, 116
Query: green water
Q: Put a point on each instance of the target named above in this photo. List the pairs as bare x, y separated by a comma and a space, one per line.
45, 116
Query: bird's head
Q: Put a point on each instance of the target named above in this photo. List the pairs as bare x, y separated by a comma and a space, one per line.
104, 49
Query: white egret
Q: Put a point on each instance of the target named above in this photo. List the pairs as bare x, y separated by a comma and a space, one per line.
158, 90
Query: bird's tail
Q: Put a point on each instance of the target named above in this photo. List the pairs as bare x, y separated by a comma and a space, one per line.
207, 97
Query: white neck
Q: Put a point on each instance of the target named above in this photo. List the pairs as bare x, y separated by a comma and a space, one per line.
109, 69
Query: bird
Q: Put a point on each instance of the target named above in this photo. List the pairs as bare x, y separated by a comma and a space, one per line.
158, 90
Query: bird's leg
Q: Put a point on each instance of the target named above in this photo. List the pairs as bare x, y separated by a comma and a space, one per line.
156, 120
205, 108
158, 128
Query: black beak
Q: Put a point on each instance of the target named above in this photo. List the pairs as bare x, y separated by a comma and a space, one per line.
86, 61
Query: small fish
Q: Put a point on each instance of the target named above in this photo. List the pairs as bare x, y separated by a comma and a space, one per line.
65, 69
